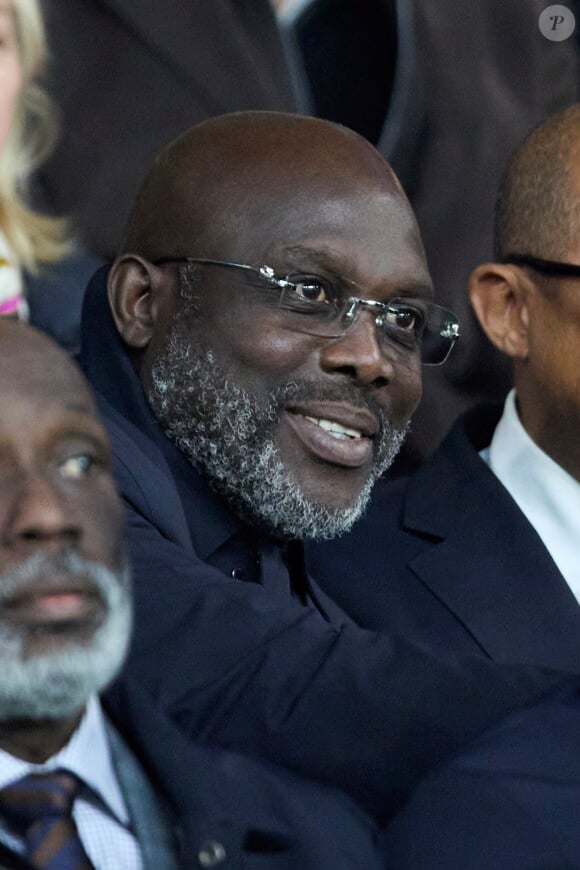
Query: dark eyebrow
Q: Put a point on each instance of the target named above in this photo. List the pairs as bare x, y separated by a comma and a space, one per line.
334, 262
77, 407
323, 256
417, 290
81, 426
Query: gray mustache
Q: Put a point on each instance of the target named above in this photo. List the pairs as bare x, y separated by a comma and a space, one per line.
349, 393
48, 571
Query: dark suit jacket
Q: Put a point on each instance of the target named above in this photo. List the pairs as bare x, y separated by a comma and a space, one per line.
512, 800
55, 298
262, 817
447, 558
266, 673
130, 75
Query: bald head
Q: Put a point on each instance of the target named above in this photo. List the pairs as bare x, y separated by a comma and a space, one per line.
538, 210
214, 177
33, 365
258, 203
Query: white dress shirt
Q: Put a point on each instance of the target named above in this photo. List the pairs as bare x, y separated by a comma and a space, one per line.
547, 495
100, 814
289, 10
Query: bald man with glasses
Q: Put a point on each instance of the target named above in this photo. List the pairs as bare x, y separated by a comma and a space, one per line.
257, 350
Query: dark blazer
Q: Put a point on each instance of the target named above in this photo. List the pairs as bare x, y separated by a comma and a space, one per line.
511, 800
260, 816
292, 682
55, 298
447, 558
130, 75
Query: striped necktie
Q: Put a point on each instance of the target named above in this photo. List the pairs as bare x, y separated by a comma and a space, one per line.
39, 808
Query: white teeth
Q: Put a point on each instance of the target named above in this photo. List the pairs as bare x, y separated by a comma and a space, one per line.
335, 429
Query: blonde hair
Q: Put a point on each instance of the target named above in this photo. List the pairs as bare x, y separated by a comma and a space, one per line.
34, 238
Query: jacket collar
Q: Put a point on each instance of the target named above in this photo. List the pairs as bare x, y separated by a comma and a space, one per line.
199, 514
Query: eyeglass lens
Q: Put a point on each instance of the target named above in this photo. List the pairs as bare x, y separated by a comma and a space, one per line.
410, 327
326, 307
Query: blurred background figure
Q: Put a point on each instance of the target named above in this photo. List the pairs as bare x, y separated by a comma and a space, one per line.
130, 75
445, 91
39, 275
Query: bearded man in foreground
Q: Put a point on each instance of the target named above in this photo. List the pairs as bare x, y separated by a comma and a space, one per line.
257, 352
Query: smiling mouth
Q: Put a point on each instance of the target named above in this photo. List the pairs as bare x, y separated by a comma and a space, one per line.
336, 430
330, 441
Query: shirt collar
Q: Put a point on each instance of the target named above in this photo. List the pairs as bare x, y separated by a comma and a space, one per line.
87, 754
545, 493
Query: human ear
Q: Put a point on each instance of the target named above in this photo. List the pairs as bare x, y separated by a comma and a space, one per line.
499, 296
133, 299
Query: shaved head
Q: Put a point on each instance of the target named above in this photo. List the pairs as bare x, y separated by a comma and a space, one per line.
240, 380
538, 210
33, 364
217, 174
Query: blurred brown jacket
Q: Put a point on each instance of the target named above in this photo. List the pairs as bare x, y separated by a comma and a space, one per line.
130, 75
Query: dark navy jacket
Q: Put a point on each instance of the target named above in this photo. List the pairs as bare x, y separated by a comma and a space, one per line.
447, 558
279, 675
259, 816
512, 800
55, 297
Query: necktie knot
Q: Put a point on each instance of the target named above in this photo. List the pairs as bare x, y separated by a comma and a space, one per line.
38, 796
38, 807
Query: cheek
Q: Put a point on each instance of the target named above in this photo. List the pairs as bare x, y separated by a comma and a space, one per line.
10, 87
405, 392
263, 354
104, 524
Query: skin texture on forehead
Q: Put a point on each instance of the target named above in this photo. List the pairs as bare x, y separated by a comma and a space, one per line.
32, 364
217, 175
538, 208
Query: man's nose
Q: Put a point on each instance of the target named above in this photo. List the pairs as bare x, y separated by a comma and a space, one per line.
38, 515
358, 354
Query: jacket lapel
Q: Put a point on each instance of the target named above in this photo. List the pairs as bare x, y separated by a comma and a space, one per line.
490, 568
156, 489
151, 821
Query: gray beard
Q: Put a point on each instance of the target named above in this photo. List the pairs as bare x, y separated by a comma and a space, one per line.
53, 685
226, 432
